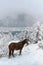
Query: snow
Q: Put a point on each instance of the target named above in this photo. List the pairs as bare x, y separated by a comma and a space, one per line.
31, 55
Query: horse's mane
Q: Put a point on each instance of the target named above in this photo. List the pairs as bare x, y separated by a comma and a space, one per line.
22, 41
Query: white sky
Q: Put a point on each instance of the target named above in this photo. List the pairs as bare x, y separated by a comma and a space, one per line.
32, 6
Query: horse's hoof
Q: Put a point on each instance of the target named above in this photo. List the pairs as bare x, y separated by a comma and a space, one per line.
20, 54
9, 57
13, 56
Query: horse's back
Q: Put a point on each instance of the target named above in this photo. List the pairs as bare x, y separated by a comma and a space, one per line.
15, 46
11, 45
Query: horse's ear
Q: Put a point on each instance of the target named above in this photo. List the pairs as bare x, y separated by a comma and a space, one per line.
27, 39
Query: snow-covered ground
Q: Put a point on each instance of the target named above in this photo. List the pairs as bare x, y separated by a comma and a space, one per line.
31, 55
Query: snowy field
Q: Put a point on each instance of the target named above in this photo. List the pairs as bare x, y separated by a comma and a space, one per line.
31, 55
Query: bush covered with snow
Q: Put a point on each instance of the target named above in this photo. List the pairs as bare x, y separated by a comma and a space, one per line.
4, 41
34, 33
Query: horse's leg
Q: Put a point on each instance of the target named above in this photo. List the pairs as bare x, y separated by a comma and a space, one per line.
20, 51
9, 53
13, 53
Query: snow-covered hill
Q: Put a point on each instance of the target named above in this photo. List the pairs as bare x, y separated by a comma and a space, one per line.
31, 55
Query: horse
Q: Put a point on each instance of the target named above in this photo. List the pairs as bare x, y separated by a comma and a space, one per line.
17, 46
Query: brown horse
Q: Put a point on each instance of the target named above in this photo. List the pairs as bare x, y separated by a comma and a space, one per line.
17, 46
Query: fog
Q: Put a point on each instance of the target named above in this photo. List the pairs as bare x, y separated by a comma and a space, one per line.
8, 8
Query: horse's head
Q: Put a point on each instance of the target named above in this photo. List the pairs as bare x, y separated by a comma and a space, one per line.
26, 41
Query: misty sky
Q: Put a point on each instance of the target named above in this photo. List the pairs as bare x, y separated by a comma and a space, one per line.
9, 7
33, 6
